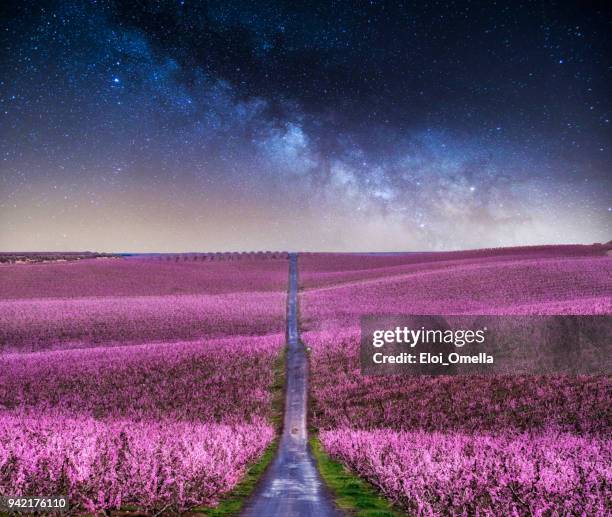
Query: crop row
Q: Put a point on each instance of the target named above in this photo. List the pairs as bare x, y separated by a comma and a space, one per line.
430, 473
343, 397
543, 286
140, 277
103, 465
223, 380
31, 325
333, 269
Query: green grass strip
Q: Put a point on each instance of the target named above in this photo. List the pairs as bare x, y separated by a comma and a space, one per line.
353, 495
277, 391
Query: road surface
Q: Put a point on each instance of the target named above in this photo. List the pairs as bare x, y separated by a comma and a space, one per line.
292, 486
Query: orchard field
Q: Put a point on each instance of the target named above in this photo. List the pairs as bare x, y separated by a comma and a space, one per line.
507, 445
146, 382
138, 382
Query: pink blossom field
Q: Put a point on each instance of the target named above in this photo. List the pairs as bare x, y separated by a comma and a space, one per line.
431, 473
118, 390
505, 445
146, 381
59, 323
145, 276
119, 301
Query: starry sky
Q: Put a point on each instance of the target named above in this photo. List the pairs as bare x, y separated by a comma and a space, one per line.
161, 126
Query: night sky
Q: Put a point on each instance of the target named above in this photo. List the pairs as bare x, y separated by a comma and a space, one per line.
202, 126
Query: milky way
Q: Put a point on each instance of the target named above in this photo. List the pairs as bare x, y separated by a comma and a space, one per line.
195, 126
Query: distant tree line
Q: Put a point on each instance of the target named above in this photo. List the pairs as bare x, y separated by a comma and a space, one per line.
37, 257
223, 256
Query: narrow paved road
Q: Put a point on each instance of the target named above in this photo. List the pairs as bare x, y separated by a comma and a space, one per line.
292, 487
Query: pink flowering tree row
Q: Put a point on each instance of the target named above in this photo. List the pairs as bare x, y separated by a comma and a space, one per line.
432, 473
